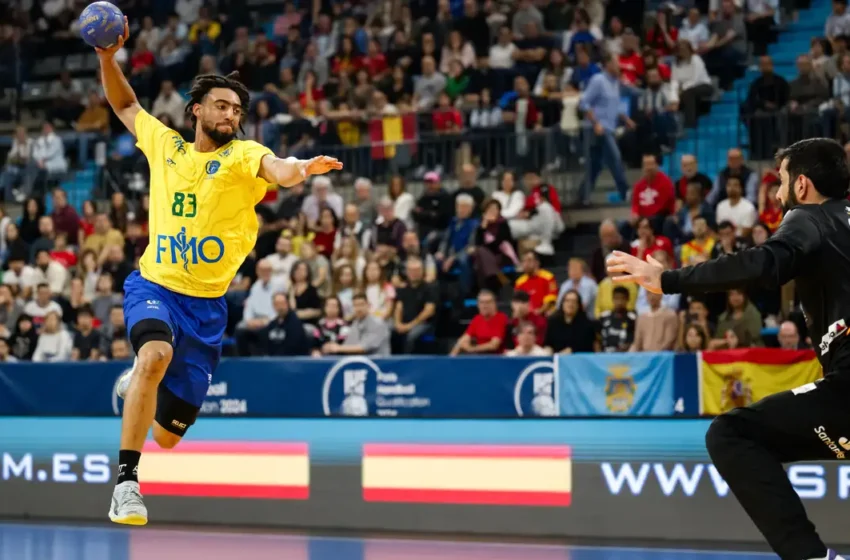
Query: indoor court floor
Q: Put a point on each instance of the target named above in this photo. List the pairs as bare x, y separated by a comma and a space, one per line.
19, 541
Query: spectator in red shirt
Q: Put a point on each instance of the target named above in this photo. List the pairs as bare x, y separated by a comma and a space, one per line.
447, 119
486, 333
347, 60
648, 242
631, 62
540, 284
520, 314
663, 35
770, 214
654, 195
541, 217
375, 62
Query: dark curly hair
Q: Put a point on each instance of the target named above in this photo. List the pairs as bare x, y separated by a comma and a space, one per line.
206, 82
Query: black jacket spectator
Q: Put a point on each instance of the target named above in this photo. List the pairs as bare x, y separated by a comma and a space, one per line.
285, 336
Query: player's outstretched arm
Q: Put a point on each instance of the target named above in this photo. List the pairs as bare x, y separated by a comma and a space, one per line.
290, 171
775, 263
120, 95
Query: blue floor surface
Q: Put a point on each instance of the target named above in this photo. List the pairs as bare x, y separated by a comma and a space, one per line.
50, 542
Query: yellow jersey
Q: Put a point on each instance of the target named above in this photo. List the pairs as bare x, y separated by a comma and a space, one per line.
202, 222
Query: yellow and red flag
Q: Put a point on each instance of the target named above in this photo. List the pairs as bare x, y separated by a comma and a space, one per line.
393, 135
528, 475
227, 470
733, 378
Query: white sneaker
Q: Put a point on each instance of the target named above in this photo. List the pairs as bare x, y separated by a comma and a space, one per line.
124, 381
127, 505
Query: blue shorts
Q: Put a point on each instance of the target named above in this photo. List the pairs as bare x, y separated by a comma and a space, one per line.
197, 325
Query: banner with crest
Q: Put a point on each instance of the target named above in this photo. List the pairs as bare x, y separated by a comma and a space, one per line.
639, 384
733, 378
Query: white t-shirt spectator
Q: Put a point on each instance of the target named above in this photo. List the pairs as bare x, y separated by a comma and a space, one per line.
512, 204
26, 279
33, 309
171, 105
281, 267
689, 74
535, 351
53, 347
56, 276
743, 214
502, 56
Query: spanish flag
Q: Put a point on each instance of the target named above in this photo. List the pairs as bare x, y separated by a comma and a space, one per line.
393, 135
734, 378
468, 474
227, 470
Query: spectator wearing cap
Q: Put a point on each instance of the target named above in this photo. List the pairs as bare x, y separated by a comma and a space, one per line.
458, 244
602, 108
617, 326
527, 343
322, 196
521, 313
433, 211
540, 284
486, 333
579, 279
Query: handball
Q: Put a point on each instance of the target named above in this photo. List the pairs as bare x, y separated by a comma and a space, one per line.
101, 24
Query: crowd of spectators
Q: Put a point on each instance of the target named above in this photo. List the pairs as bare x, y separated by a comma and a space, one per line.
491, 87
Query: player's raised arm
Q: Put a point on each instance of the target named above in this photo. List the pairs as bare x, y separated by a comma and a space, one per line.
290, 171
120, 95
776, 262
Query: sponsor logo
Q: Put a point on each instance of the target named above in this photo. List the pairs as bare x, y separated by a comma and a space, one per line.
219, 404
64, 468
620, 389
832, 445
540, 396
188, 250
178, 424
834, 331
227, 152
170, 162
356, 386
179, 144
689, 480
212, 167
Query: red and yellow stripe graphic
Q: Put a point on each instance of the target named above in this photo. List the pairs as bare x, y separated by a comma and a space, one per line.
227, 470
468, 474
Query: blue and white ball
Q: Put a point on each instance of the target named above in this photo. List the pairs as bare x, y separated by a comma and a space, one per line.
101, 24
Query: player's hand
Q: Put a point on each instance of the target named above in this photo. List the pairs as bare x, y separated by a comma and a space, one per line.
644, 273
110, 51
322, 164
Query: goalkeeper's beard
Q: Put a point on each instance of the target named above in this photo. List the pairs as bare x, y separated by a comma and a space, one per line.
218, 137
791, 202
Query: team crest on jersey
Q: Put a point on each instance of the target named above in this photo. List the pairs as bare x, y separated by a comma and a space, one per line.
227, 152
212, 167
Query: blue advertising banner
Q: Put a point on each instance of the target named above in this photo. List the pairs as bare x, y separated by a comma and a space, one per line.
639, 384
353, 386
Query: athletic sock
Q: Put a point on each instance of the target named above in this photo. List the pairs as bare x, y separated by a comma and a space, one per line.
128, 465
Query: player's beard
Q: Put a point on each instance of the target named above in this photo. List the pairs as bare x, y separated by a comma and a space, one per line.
218, 137
791, 202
